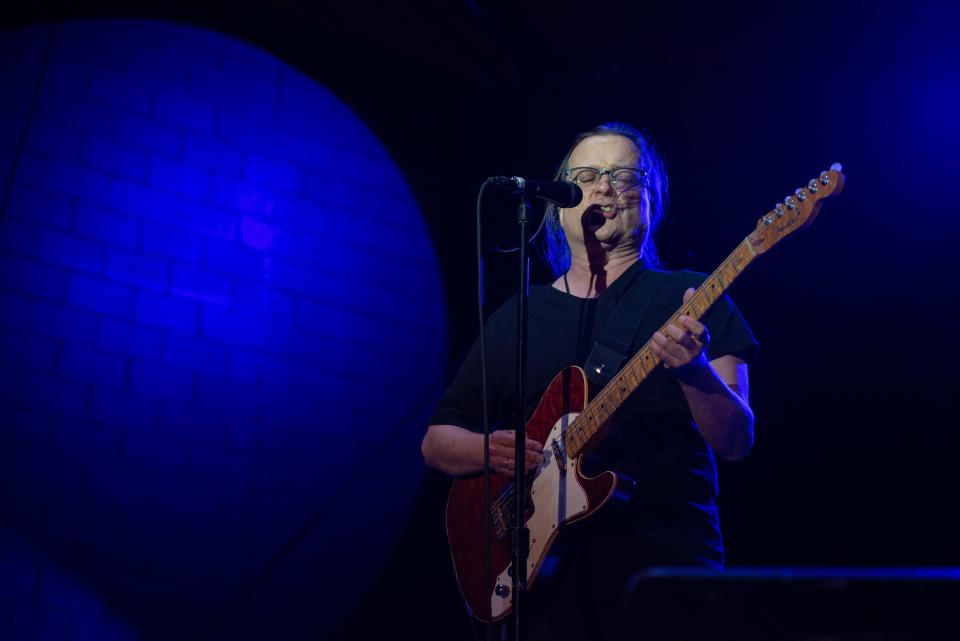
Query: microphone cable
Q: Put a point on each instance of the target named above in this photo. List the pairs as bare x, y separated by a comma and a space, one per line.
531, 241
488, 627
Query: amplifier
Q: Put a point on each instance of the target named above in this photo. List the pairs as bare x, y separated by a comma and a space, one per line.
795, 604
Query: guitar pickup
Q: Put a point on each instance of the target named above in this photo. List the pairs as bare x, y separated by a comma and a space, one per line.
559, 454
499, 521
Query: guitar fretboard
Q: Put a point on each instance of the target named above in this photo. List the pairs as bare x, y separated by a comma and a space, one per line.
587, 429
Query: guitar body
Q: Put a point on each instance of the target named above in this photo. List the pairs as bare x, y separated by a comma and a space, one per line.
559, 494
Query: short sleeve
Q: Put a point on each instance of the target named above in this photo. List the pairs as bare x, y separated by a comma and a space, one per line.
462, 403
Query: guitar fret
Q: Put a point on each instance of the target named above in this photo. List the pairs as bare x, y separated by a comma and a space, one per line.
615, 389
641, 364
733, 260
589, 428
710, 290
649, 360
623, 386
729, 272
604, 414
578, 437
608, 405
703, 303
594, 420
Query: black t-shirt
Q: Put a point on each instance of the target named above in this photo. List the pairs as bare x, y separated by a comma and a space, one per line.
672, 517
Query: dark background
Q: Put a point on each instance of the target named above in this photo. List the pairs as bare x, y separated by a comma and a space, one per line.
856, 420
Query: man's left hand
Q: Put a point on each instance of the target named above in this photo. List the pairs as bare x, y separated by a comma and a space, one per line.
682, 346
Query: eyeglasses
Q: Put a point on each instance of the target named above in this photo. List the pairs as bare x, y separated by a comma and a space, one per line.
621, 178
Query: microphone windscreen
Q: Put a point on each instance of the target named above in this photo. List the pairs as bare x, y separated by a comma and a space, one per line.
562, 193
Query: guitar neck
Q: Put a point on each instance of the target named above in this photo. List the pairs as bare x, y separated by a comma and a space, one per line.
588, 429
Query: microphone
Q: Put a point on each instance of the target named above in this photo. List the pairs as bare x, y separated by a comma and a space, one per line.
561, 193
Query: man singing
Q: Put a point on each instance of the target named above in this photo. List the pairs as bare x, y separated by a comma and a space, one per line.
664, 436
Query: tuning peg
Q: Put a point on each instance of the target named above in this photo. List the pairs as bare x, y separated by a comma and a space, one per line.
813, 186
836, 167
801, 195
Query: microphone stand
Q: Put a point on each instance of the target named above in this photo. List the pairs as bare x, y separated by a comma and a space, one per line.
520, 534
556, 192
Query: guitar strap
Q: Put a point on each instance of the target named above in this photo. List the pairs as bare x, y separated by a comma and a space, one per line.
612, 347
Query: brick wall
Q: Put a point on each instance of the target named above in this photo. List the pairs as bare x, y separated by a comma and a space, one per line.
220, 313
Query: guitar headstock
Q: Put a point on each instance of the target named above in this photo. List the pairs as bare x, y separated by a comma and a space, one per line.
796, 211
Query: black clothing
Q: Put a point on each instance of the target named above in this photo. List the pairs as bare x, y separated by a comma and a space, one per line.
672, 518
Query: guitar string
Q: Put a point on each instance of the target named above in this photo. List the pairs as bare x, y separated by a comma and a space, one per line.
700, 299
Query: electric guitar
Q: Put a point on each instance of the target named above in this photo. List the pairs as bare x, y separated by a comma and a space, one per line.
569, 425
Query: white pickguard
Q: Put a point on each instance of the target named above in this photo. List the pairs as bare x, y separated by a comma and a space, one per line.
557, 497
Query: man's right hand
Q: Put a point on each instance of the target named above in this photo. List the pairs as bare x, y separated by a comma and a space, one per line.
503, 450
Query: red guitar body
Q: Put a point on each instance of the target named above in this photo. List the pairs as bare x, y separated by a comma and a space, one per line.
558, 495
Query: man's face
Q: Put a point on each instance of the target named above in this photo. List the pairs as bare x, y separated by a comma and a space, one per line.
606, 215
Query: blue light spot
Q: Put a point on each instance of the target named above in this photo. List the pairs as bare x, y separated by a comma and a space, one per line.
256, 329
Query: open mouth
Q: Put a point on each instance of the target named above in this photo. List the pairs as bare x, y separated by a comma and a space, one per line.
598, 210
